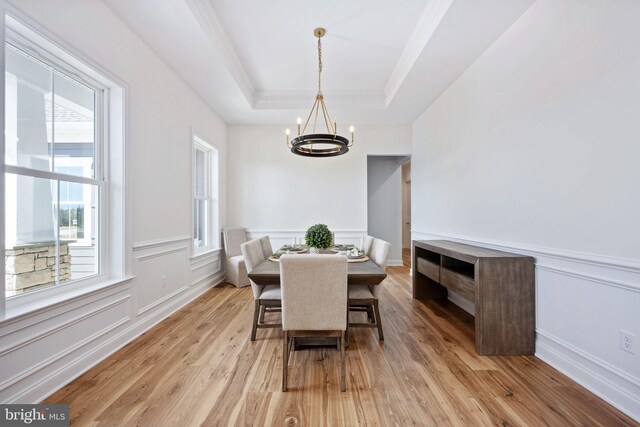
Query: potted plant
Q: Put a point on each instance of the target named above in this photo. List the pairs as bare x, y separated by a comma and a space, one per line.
318, 238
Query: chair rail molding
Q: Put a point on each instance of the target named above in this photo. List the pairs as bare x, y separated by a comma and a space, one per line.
583, 300
623, 264
148, 244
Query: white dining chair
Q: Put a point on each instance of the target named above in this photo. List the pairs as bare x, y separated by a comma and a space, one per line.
367, 242
265, 297
367, 296
314, 302
236, 268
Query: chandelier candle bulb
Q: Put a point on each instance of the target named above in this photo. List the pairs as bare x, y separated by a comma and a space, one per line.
351, 129
287, 132
299, 123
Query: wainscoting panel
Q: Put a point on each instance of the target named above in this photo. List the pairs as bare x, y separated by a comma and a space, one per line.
162, 274
205, 267
43, 350
583, 301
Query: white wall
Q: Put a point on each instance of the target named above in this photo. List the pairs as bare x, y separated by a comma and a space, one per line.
384, 201
535, 149
274, 192
43, 350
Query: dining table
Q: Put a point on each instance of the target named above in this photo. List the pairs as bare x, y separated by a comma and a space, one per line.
366, 273
359, 273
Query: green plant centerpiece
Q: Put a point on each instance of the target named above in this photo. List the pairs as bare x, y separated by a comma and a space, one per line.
318, 238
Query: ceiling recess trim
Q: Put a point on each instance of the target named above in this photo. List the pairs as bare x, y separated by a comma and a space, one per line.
213, 27
294, 99
427, 24
214, 30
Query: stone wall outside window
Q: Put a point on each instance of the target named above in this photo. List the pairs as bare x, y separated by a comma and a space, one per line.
34, 266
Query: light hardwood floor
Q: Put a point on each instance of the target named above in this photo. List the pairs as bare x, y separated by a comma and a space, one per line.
199, 367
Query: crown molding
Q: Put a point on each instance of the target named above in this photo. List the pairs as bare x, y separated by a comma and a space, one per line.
213, 28
428, 22
295, 99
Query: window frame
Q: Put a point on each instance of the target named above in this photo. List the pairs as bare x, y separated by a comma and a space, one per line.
114, 246
212, 184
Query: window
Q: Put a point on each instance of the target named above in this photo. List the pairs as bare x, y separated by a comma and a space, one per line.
205, 196
56, 171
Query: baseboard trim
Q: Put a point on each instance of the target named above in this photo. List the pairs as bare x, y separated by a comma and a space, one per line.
591, 373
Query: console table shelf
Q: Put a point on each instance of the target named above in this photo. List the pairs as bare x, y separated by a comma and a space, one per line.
500, 284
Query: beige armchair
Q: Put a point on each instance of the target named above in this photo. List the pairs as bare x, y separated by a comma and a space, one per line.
314, 302
265, 297
366, 297
236, 268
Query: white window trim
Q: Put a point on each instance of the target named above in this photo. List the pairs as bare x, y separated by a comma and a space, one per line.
213, 185
117, 256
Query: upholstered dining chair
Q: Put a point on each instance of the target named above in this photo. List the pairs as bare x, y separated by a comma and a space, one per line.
314, 302
367, 296
267, 249
263, 296
236, 268
367, 242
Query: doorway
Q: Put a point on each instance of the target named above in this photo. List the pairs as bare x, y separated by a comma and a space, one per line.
406, 213
385, 189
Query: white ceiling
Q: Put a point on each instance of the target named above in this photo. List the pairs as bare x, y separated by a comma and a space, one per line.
256, 61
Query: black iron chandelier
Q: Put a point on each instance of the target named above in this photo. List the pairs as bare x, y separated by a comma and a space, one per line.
314, 144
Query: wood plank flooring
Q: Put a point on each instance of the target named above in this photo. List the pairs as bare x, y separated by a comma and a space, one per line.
199, 367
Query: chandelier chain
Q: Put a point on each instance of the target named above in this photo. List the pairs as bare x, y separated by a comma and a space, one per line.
319, 64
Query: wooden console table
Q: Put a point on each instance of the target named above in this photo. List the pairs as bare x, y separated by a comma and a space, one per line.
501, 284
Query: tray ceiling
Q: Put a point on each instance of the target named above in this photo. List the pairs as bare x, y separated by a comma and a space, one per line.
256, 61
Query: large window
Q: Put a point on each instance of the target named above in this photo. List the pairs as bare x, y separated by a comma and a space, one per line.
205, 196
55, 185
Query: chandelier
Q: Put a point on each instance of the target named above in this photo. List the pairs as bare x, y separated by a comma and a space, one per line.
314, 144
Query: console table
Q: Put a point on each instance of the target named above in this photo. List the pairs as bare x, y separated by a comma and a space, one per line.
501, 284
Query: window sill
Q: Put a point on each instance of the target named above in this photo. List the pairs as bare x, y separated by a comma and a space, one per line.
22, 306
205, 253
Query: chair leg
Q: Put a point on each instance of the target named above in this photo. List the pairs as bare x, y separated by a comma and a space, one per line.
346, 332
254, 327
343, 386
285, 360
378, 319
263, 309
